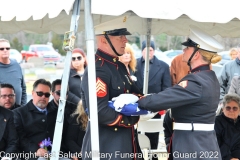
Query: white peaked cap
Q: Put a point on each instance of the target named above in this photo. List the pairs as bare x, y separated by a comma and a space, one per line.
203, 40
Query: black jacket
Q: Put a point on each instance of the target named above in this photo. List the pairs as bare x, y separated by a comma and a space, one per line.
74, 136
74, 84
228, 136
34, 126
8, 134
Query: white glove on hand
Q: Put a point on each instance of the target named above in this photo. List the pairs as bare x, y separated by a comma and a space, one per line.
123, 99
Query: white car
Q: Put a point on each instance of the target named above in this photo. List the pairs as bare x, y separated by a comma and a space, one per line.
15, 54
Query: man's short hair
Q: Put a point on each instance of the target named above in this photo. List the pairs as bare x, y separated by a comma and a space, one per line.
41, 81
7, 85
54, 83
4, 40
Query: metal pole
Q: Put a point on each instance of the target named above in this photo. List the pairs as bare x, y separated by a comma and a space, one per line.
89, 29
146, 67
57, 138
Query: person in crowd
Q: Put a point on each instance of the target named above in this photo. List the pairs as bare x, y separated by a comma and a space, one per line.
9, 141
194, 100
116, 131
36, 120
227, 127
129, 60
56, 90
233, 53
159, 79
229, 70
76, 131
8, 97
178, 69
235, 85
79, 62
11, 72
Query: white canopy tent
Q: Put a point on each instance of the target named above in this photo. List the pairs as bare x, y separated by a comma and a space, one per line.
143, 16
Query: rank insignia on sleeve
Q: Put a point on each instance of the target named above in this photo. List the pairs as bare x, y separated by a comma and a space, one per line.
101, 88
183, 84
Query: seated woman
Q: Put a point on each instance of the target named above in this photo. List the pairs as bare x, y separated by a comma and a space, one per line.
76, 131
227, 127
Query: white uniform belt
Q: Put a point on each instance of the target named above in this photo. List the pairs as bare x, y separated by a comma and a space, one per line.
193, 126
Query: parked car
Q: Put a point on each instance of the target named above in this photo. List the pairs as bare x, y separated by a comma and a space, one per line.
225, 57
47, 52
161, 56
172, 53
15, 54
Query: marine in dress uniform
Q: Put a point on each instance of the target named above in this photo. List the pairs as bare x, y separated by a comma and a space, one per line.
116, 131
193, 101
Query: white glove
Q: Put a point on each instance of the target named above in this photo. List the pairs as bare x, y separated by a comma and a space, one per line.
123, 99
148, 116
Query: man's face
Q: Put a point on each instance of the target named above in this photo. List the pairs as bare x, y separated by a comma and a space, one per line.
151, 53
55, 94
7, 99
4, 54
119, 43
42, 100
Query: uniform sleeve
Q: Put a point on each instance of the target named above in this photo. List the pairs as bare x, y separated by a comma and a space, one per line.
172, 97
233, 86
218, 129
173, 72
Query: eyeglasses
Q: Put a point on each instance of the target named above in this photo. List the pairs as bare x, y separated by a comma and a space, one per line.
40, 94
77, 58
228, 108
7, 48
9, 96
59, 92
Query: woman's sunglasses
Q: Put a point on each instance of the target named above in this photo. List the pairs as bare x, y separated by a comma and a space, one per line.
231, 108
77, 58
7, 48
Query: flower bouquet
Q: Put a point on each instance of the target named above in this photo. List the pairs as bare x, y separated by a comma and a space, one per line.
45, 144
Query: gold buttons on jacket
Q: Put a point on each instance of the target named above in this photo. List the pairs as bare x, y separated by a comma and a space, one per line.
129, 124
99, 59
122, 122
115, 129
114, 59
127, 91
118, 87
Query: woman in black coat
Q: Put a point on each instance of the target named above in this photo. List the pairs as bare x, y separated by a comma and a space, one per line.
76, 131
227, 127
78, 64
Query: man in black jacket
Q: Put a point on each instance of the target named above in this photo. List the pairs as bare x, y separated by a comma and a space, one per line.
8, 134
36, 121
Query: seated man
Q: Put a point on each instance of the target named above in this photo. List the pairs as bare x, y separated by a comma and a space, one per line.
36, 120
8, 96
8, 134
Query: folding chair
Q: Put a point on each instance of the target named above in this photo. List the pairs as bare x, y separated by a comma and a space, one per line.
145, 145
151, 125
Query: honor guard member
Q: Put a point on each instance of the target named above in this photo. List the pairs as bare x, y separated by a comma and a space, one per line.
116, 131
194, 101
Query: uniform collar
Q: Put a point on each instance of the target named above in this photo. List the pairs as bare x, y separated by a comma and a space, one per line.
201, 68
106, 56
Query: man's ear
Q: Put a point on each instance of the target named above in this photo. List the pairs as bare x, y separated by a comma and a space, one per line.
103, 40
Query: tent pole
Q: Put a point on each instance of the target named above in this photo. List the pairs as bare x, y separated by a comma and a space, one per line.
57, 138
89, 30
146, 70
